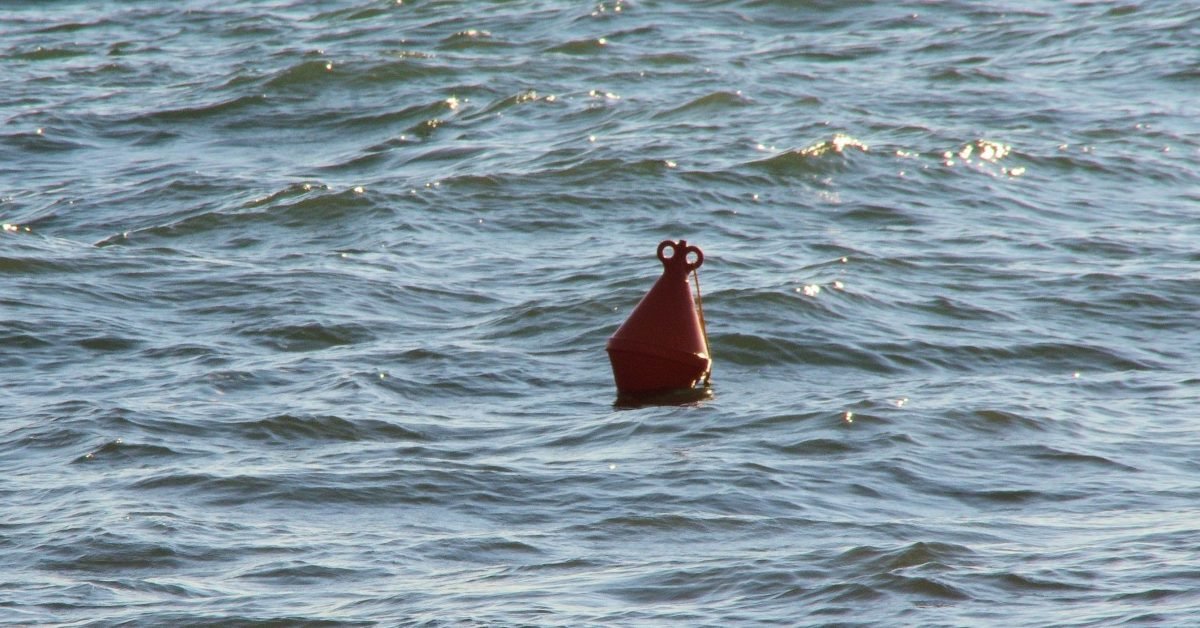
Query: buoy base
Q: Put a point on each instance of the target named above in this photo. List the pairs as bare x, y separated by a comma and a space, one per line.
643, 370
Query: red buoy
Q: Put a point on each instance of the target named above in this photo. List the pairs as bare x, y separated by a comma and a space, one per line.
662, 345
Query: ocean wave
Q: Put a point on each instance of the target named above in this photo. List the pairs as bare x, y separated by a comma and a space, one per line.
290, 429
814, 159
710, 103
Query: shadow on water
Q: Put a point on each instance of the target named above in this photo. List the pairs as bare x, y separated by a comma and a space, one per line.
672, 397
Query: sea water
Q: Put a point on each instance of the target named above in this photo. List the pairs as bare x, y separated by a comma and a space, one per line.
304, 309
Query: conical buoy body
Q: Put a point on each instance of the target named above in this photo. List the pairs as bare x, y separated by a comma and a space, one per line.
662, 345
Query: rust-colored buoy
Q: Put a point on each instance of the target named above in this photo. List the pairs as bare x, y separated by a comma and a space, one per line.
662, 345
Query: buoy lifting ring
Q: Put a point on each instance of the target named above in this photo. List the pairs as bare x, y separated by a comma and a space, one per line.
680, 251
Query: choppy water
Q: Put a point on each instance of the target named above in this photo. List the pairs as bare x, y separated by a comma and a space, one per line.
304, 308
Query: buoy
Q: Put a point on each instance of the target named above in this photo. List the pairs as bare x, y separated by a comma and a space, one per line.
662, 346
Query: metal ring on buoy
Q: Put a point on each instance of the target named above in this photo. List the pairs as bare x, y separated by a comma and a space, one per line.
675, 254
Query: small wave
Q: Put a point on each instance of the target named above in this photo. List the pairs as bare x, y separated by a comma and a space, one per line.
1097, 244
357, 13
542, 321
605, 432
602, 170
1002, 496
568, 565
109, 344
665, 523
708, 104
226, 381
20, 340
42, 53
885, 216
1059, 356
1054, 455
659, 59
513, 100
34, 264
880, 560
472, 38
410, 115
426, 128
959, 74
291, 191
288, 428
180, 353
118, 450
1019, 583
817, 447
406, 65
41, 140
758, 350
300, 337
480, 549
957, 309
300, 75
299, 205
580, 46
436, 154
813, 159
925, 587
75, 27
106, 552
229, 107
1189, 75
851, 593
300, 573
984, 156
995, 420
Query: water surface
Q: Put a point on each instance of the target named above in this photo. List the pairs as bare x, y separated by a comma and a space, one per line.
305, 304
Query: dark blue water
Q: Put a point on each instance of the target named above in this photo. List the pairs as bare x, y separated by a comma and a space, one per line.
304, 309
